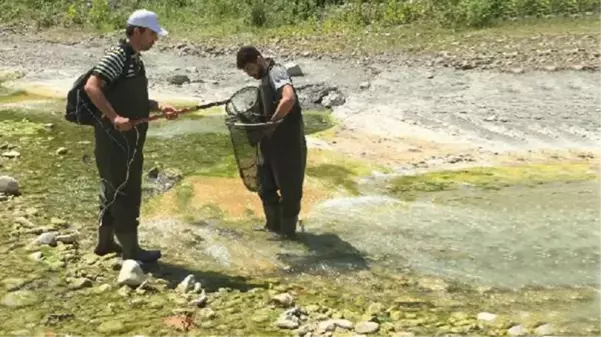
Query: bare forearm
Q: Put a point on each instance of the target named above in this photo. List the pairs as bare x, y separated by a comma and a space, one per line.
97, 97
282, 109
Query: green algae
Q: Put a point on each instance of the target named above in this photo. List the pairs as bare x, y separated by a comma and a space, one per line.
65, 186
22, 127
491, 178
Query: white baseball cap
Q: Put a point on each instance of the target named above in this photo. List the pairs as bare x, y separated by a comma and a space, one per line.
147, 19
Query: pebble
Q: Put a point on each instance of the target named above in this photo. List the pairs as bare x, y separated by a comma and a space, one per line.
24, 222
517, 330
36, 256
286, 323
80, 283
367, 327
13, 283
326, 326
102, 288
201, 300
285, 300
207, 313
58, 223
9, 185
10, 154
19, 298
293, 69
186, 285
486, 316
110, 327
490, 118
343, 323
197, 288
544, 330
67, 238
404, 334
333, 99
364, 85
61, 151
131, 274
46, 239
178, 79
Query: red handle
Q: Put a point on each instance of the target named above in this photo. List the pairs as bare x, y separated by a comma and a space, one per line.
157, 116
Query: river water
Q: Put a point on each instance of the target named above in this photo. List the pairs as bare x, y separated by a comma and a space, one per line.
545, 235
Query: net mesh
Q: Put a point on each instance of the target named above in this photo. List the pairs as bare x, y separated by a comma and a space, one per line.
247, 126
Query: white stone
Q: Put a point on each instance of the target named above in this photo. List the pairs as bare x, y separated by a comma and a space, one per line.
131, 274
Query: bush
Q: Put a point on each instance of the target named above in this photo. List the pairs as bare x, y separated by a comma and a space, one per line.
274, 13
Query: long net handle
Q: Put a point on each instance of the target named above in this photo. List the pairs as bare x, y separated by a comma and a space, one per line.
182, 111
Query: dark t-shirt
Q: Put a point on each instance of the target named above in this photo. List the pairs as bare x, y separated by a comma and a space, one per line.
271, 90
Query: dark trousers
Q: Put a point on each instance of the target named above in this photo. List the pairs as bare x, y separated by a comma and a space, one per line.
282, 169
119, 160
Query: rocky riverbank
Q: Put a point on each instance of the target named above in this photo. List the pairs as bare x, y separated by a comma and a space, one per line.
219, 277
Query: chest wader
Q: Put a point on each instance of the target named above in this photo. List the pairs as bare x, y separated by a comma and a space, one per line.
119, 159
282, 168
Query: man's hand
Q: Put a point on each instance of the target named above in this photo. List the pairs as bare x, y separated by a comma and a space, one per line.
169, 112
122, 123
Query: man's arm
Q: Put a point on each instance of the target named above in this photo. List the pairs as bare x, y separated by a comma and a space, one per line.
106, 71
286, 103
168, 111
93, 88
282, 82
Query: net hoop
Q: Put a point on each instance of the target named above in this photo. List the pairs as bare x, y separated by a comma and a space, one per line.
240, 125
248, 93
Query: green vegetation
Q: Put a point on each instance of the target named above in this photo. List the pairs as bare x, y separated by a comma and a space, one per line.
225, 17
491, 177
346, 25
335, 175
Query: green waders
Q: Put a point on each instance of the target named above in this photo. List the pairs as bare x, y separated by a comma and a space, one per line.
119, 159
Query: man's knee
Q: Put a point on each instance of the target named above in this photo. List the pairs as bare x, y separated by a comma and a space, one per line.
292, 194
269, 197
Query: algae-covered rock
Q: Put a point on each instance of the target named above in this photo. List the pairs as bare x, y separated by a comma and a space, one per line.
111, 327
367, 327
516, 331
80, 283
19, 298
285, 300
375, 309
486, 317
14, 283
544, 330
261, 316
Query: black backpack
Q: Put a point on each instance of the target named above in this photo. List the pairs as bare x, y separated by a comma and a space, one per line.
80, 109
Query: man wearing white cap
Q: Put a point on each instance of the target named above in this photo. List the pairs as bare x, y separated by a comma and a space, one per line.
118, 87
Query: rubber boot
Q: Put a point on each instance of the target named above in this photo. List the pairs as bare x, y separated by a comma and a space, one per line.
287, 229
106, 243
272, 219
132, 251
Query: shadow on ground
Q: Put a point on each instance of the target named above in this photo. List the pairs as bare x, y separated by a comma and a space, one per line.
211, 280
327, 253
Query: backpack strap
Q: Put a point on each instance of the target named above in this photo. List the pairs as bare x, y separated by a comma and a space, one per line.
128, 60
